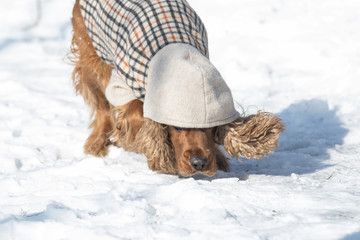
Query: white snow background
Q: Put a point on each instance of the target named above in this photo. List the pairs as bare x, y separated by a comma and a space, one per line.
299, 59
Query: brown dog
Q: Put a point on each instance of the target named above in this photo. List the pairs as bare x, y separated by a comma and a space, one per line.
169, 149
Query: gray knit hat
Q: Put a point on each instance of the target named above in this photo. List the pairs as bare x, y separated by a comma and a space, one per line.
185, 90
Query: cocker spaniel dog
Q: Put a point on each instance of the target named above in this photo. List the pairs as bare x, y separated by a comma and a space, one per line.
143, 68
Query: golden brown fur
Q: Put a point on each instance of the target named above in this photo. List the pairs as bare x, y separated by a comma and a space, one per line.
255, 136
167, 150
198, 143
90, 78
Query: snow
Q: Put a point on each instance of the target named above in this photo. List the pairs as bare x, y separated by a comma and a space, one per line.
299, 59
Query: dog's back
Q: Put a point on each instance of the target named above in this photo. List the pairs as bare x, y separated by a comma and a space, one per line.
127, 34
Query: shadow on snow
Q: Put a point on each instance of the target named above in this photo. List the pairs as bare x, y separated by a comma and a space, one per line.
311, 130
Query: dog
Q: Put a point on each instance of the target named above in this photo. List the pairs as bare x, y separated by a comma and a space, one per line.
120, 60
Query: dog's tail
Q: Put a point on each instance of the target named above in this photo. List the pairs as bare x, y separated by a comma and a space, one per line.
91, 75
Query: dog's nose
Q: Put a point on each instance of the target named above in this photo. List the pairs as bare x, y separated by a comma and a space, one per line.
198, 163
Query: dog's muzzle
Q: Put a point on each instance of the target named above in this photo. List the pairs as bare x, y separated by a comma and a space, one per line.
198, 164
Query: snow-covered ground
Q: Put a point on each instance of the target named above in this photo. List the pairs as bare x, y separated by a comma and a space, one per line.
300, 59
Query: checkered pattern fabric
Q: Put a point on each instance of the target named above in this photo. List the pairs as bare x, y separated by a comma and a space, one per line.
128, 33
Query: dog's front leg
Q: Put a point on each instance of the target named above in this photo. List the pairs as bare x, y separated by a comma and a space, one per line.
133, 133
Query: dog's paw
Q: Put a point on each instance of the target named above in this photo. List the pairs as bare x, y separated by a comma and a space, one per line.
98, 147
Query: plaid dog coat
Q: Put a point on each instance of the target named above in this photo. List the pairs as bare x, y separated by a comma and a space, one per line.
128, 33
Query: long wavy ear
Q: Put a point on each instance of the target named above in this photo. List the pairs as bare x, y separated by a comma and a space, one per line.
128, 120
255, 136
153, 141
